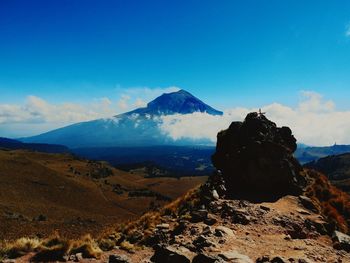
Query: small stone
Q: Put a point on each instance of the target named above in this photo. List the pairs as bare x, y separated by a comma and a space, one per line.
341, 240
234, 256
308, 203
203, 258
303, 212
263, 259
163, 226
118, 259
265, 208
222, 231
287, 237
210, 220
199, 215
215, 195
278, 260
207, 231
172, 254
202, 242
78, 257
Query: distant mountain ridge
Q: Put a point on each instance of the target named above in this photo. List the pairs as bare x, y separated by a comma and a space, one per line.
39, 147
308, 154
140, 127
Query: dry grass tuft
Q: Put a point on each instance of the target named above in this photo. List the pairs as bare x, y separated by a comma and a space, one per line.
87, 246
20, 247
108, 242
51, 249
128, 246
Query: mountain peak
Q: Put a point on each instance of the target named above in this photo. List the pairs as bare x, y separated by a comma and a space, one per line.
180, 101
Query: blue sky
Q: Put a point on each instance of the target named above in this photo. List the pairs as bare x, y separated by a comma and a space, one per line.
228, 53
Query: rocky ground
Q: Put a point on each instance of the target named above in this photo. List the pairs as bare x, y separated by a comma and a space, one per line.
237, 231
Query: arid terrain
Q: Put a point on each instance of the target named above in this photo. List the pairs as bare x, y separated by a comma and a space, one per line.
44, 193
260, 206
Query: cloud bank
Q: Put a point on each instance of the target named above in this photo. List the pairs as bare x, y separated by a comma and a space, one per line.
314, 121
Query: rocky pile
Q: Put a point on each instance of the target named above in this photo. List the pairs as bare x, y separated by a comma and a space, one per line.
256, 159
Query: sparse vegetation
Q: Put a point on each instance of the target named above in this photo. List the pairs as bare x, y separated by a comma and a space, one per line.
19, 247
51, 249
334, 203
126, 236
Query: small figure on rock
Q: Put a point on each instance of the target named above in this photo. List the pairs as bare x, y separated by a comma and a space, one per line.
261, 113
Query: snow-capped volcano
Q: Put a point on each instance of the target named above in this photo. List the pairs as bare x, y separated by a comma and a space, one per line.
181, 102
140, 127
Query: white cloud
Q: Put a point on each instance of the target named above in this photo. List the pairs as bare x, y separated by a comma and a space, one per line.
36, 110
123, 102
314, 121
140, 103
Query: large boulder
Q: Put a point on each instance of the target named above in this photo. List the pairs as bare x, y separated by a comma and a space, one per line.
256, 160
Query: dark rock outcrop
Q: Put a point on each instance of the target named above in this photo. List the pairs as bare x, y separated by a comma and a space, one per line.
256, 159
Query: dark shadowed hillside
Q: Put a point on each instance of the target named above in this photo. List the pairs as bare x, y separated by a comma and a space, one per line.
309, 154
39, 147
175, 161
337, 169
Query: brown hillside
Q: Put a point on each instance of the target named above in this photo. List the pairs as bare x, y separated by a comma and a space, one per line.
45, 193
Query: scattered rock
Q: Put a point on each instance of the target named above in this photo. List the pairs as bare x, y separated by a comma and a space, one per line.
308, 203
163, 226
118, 259
263, 259
303, 212
278, 260
265, 208
240, 216
78, 257
204, 258
341, 241
222, 231
235, 257
198, 215
215, 194
172, 254
210, 220
318, 224
202, 242
180, 227
207, 231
